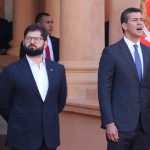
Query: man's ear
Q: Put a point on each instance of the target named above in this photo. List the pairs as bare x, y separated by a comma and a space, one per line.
124, 26
45, 44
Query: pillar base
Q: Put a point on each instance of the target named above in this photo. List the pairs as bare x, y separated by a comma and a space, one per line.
82, 84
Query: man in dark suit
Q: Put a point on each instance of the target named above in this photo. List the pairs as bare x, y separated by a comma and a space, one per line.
124, 87
52, 51
33, 93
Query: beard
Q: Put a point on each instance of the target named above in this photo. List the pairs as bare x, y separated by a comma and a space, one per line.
32, 50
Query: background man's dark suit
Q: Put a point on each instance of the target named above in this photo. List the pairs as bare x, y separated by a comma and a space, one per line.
29, 118
55, 45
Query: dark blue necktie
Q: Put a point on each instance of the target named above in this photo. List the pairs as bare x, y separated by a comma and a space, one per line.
138, 61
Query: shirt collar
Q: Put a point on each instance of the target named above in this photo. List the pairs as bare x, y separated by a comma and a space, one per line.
130, 42
33, 63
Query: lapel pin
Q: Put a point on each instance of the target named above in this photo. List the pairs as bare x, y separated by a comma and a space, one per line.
51, 69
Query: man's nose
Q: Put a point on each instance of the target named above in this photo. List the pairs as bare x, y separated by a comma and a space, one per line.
32, 40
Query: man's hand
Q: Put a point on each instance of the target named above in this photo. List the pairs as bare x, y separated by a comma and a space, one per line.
112, 132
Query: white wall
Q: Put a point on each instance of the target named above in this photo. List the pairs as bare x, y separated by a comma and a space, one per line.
8, 10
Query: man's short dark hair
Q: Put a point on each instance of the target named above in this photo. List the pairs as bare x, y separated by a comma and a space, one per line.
36, 27
124, 16
40, 15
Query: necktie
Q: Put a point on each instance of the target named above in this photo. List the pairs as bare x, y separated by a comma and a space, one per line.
138, 62
47, 53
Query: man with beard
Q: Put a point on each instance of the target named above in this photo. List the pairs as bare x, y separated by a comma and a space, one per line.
34, 93
51, 52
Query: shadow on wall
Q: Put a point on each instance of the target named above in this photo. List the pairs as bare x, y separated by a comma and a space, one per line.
106, 33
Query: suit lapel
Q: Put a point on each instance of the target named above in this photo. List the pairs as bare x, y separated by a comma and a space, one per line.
28, 76
127, 55
51, 75
145, 60
52, 40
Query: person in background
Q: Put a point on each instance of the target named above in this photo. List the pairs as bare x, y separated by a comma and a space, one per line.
5, 36
124, 87
51, 52
33, 94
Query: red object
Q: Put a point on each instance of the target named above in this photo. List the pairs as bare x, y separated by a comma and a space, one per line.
47, 53
145, 7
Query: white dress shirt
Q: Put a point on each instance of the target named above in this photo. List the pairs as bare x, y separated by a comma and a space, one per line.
131, 48
40, 75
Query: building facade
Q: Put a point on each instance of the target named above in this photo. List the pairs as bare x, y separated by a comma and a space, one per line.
80, 25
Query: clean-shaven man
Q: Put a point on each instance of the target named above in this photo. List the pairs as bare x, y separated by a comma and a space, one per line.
124, 87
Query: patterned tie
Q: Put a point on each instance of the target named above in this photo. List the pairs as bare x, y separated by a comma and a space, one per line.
47, 53
138, 61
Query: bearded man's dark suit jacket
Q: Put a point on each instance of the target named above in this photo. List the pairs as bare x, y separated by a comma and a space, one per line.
123, 98
29, 118
55, 45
